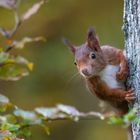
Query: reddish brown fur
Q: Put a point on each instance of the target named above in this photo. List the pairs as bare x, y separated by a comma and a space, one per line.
116, 97
115, 56
105, 55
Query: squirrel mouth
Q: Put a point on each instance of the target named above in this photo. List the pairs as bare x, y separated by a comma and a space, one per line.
88, 75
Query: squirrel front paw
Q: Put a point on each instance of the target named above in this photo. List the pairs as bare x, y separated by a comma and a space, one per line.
130, 96
121, 75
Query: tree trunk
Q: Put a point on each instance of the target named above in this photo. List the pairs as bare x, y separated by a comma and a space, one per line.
131, 29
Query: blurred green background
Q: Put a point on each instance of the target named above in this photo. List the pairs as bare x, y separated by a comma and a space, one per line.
54, 78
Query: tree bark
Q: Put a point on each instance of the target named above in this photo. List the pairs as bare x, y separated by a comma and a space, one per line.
131, 29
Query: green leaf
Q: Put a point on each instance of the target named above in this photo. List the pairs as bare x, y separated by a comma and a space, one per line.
115, 120
3, 99
24, 132
50, 113
29, 117
130, 116
3, 57
60, 112
4, 103
136, 120
25, 114
13, 67
23, 62
11, 118
10, 127
71, 111
13, 72
46, 128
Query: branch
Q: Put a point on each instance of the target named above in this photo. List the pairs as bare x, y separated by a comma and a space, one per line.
84, 116
17, 24
9, 34
21, 120
19, 20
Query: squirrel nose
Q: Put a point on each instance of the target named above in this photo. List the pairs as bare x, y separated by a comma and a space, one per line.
85, 72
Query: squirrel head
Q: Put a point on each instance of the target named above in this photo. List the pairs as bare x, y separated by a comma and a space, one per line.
89, 58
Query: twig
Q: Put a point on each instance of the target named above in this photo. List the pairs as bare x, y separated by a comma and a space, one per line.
17, 24
84, 116
92, 114
4, 33
9, 34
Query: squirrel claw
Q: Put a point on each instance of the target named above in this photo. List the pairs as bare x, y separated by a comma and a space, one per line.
130, 96
131, 91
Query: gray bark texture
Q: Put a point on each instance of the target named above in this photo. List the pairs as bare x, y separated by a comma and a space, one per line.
131, 29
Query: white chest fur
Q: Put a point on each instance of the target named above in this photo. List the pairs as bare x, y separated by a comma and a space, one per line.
108, 75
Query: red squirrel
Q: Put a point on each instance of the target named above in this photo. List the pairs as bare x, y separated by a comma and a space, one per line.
104, 69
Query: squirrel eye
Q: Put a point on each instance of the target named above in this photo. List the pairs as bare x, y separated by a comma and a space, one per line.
93, 56
75, 63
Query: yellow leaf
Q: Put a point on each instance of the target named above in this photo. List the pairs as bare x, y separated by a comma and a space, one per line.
10, 61
9, 42
6, 138
30, 66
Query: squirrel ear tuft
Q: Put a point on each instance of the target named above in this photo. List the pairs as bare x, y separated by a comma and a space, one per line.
92, 39
69, 44
91, 32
